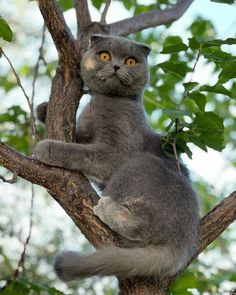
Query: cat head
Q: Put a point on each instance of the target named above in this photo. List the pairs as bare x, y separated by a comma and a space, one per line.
115, 66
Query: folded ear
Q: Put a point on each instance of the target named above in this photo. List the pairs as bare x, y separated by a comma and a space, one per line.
145, 49
96, 38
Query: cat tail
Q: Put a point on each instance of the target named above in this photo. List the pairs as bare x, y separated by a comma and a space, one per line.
121, 262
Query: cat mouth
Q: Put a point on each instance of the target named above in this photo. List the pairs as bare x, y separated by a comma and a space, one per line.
123, 78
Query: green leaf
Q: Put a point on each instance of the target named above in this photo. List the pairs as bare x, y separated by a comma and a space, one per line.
233, 277
202, 30
199, 99
228, 72
209, 121
5, 30
193, 43
198, 142
174, 114
224, 1
66, 4
217, 88
178, 68
190, 85
98, 3
172, 40
215, 141
218, 42
209, 128
182, 146
216, 55
184, 282
174, 48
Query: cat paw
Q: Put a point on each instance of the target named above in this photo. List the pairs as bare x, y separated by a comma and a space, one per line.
41, 112
44, 151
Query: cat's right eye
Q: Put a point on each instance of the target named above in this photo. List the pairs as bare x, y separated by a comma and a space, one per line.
104, 56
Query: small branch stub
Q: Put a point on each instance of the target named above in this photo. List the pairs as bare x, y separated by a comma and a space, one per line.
104, 13
12, 180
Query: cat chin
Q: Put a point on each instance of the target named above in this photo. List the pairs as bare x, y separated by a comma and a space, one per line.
113, 86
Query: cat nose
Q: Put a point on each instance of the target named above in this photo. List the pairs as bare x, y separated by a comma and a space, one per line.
116, 67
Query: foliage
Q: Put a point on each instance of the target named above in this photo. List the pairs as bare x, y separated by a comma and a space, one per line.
24, 287
14, 129
186, 110
5, 30
188, 115
224, 1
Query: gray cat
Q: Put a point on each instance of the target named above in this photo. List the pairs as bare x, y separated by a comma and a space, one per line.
144, 197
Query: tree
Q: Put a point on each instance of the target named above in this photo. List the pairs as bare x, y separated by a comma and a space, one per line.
72, 190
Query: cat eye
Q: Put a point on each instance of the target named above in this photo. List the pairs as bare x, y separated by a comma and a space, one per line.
104, 56
131, 61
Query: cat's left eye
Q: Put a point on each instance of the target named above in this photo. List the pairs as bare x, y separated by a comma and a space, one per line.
105, 56
131, 61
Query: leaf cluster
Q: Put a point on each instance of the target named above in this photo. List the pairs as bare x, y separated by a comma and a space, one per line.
188, 115
23, 286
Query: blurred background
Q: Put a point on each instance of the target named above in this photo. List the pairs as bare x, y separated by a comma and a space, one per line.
213, 172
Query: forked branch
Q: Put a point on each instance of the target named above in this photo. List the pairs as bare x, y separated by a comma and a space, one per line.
149, 20
60, 32
78, 198
70, 190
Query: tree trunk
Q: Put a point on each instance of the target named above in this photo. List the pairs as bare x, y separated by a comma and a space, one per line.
68, 188
143, 286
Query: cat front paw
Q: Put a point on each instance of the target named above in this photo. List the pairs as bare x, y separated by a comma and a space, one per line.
44, 151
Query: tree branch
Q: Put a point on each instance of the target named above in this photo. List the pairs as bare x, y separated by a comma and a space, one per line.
67, 85
150, 19
77, 197
71, 191
60, 32
104, 13
82, 14
217, 220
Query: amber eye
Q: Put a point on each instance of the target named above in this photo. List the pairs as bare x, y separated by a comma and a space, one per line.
131, 61
104, 56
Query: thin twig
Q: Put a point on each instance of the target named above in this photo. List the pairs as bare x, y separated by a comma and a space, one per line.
104, 13
32, 119
36, 68
35, 76
12, 180
21, 263
197, 59
175, 147
194, 68
176, 156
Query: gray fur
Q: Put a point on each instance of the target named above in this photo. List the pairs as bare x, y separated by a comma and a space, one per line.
144, 198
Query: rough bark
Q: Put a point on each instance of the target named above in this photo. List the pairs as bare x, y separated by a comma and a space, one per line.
76, 196
68, 188
82, 14
71, 190
150, 19
67, 85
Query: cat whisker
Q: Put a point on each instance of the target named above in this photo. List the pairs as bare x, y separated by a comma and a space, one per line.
124, 78
104, 74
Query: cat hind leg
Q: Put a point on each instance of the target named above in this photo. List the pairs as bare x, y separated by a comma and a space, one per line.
118, 218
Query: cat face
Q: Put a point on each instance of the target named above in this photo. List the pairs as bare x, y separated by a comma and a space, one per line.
115, 66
